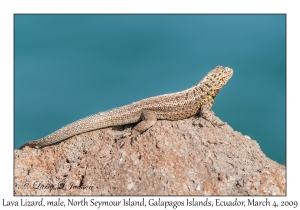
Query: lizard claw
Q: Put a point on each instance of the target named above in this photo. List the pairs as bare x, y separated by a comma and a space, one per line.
130, 137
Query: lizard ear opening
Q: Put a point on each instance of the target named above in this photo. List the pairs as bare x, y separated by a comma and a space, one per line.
216, 92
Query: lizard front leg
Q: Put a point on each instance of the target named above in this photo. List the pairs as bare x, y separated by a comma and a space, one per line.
208, 114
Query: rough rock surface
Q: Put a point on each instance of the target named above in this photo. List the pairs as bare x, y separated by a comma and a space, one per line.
184, 157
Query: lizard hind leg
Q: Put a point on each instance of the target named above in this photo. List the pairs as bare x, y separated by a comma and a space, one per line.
149, 118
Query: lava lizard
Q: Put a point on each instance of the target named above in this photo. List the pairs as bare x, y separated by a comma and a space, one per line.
174, 106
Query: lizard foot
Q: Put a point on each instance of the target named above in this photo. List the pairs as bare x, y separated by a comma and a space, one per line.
210, 116
129, 137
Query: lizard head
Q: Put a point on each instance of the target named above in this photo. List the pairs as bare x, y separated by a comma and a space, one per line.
213, 82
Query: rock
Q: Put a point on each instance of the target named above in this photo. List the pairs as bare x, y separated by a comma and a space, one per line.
184, 157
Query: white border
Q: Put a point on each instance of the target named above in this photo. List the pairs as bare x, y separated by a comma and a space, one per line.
9, 8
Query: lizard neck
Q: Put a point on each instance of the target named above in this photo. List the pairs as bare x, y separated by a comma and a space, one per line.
204, 89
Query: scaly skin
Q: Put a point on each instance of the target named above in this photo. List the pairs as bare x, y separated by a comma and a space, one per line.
175, 106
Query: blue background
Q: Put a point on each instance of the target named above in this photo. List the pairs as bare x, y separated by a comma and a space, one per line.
67, 67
